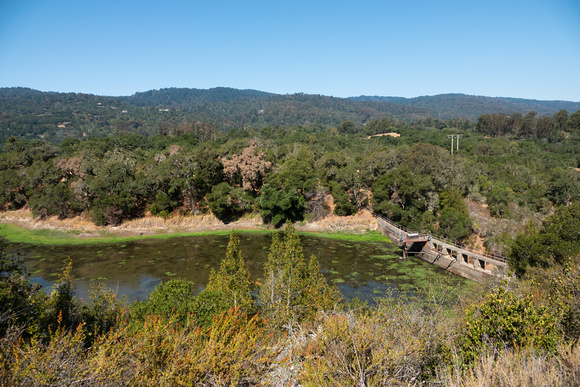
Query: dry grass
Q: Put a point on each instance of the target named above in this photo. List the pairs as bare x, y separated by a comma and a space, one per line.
79, 229
521, 367
399, 343
186, 223
362, 221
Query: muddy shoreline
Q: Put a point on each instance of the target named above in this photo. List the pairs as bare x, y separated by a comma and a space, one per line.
82, 227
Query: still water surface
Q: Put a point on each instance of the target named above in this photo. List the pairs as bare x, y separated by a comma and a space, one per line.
363, 270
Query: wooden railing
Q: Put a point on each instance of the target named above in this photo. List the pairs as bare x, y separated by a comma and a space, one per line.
495, 256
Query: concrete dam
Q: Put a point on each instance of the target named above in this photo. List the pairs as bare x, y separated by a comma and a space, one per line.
445, 254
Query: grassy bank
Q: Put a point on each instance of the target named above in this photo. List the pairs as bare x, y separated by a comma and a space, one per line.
18, 234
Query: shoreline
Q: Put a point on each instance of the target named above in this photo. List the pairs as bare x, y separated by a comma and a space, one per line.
20, 227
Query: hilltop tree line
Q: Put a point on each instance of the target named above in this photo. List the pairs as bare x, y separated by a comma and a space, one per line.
55, 116
550, 128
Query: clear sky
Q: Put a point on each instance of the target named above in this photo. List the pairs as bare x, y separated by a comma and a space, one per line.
507, 48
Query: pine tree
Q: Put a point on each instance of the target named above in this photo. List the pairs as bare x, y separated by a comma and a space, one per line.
291, 289
232, 280
317, 294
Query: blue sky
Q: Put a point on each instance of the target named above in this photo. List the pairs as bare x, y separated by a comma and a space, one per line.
509, 48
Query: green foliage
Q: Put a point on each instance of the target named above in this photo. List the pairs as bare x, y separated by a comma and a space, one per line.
498, 198
57, 199
278, 206
62, 308
20, 301
102, 313
228, 203
342, 204
504, 320
291, 289
232, 280
555, 243
297, 171
454, 220
174, 297
562, 287
207, 305
526, 250
563, 187
163, 205
561, 233
574, 122
404, 196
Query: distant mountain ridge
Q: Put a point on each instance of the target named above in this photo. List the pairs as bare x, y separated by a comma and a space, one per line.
184, 97
447, 106
31, 113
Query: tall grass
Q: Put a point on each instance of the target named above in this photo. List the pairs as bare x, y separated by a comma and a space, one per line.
518, 367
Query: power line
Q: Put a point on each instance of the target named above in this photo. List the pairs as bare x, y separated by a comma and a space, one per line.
457, 136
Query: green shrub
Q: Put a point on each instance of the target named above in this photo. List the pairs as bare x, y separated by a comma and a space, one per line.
163, 205
504, 320
277, 206
20, 300
102, 313
176, 297
207, 305
342, 203
62, 308
228, 203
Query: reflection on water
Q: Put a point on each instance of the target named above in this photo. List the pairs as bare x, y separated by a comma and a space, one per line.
362, 270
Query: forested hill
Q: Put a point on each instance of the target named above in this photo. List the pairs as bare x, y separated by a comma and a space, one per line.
187, 98
447, 106
54, 116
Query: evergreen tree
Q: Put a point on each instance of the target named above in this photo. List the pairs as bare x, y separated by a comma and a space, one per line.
293, 290
232, 280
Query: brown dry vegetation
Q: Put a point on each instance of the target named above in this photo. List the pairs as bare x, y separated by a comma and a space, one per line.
83, 227
400, 342
491, 232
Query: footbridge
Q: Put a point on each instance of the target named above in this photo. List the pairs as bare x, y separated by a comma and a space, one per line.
444, 253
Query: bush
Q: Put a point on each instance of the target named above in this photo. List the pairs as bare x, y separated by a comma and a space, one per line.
278, 206
102, 313
175, 297
62, 308
498, 198
163, 205
342, 203
228, 203
504, 320
20, 300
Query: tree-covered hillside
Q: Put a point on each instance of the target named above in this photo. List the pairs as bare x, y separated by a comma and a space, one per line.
187, 98
447, 106
54, 116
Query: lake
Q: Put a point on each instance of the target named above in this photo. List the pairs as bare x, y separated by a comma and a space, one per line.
363, 270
